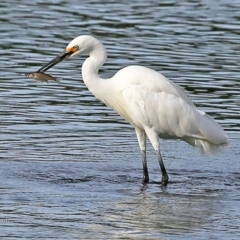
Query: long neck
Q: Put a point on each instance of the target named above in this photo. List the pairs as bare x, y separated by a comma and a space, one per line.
91, 67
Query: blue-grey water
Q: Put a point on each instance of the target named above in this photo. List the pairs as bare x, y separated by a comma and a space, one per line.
70, 168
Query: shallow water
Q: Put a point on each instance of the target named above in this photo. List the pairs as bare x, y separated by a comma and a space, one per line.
70, 168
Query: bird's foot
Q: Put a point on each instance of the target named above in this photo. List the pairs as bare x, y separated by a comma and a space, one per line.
145, 179
165, 180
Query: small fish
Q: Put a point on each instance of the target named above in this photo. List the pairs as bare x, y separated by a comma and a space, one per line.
41, 76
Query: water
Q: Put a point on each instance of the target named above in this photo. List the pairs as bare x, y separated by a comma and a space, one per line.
70, 167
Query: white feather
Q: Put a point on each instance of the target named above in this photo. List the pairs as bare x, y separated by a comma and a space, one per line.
151, 103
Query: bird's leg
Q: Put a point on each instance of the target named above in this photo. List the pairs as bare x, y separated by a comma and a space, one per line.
154, 139
141, 136
163, 169
145, 168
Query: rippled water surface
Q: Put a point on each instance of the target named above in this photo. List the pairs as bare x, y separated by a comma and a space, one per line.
70, 168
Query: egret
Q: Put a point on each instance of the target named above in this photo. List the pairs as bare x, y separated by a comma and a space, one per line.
155, 106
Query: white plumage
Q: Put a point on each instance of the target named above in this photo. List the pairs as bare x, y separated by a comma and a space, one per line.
151, 103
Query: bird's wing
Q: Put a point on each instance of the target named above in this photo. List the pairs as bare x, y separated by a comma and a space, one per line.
170, 116
152, 80
173, 88
160, 110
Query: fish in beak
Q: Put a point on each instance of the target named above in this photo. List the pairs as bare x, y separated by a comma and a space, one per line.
42, 77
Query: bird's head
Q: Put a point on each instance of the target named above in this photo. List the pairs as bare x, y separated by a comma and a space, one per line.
79, 45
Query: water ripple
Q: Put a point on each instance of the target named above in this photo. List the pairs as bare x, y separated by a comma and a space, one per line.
70, 167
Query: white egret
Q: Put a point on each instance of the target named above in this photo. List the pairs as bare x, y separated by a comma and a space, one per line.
151, 103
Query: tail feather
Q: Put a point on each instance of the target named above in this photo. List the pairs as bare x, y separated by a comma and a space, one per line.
212, 138
205, 146
208, 147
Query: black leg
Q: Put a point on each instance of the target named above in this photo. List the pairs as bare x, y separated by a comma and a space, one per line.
163, 169
145, 168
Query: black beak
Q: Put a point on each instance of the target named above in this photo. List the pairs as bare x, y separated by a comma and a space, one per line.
55, 61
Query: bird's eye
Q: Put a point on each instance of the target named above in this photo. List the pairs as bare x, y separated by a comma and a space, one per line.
75, 48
